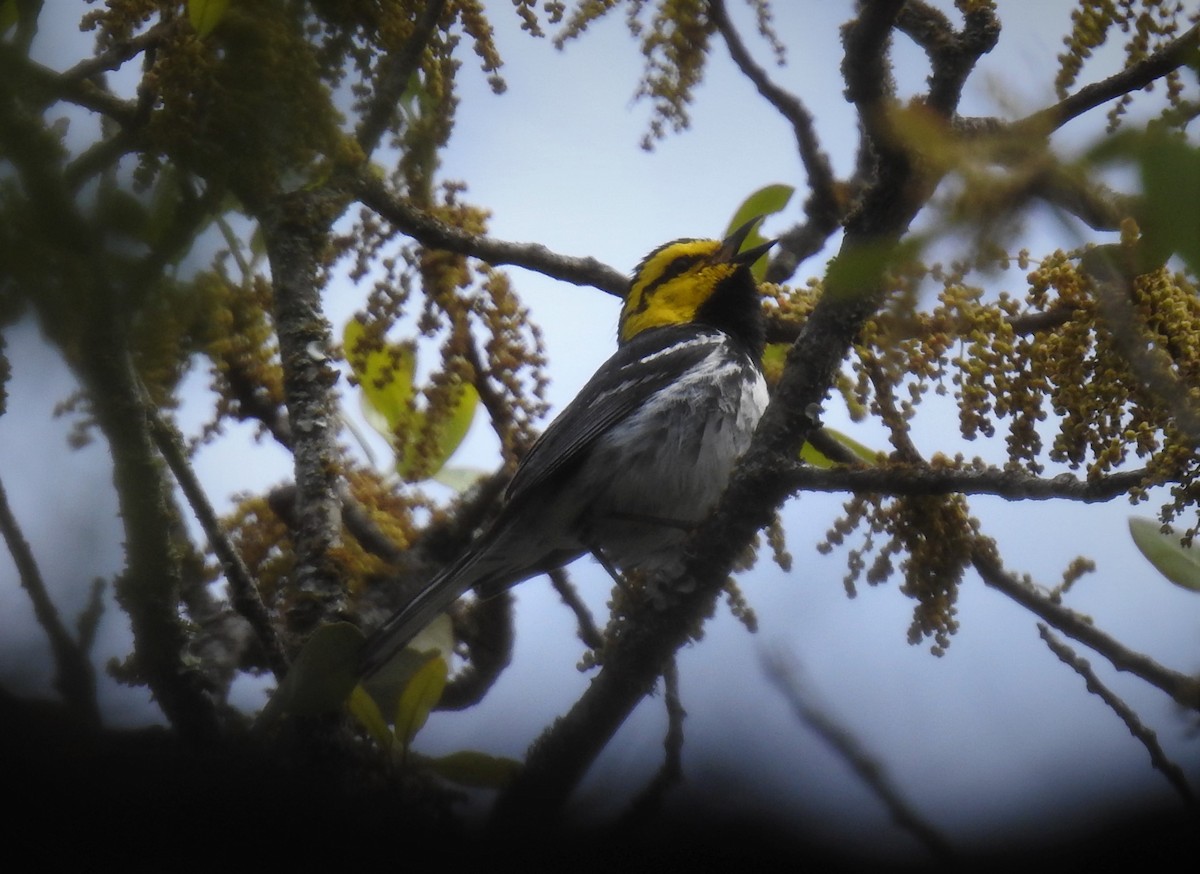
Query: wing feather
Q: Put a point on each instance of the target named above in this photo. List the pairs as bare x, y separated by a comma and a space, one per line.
648, 363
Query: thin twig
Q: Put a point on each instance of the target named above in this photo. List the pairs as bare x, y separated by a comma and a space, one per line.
243, 591
1146, 735
74, 678
392, 79
920, 478
1183, 689
589, 633
784, 675
822, 207
1132, 78
670, 774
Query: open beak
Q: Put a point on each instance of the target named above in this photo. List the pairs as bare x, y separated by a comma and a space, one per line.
728, 253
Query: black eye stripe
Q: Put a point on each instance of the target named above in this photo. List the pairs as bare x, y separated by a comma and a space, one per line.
675, 268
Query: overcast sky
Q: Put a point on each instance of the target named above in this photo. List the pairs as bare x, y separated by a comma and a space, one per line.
995, 734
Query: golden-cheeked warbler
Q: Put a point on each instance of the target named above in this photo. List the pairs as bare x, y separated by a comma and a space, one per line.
645, 449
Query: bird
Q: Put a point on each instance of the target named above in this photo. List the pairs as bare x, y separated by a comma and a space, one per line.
642, 453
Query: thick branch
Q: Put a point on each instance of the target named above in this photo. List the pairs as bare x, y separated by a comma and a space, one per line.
83, 313
295, 229
952, 55
116, 55
149, 588
41, 85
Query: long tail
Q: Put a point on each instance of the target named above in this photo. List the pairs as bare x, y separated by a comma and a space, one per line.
403, 625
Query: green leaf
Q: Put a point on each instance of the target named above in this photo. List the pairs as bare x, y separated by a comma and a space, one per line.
422, 444
859, 270
321, 677
1167, 215
366, 711
475, 769
1178, 563
773, 361
422, 692
811, 455
386, 685
448, 434
385, 376
768, 200
1170, 170
206, 14
461, 479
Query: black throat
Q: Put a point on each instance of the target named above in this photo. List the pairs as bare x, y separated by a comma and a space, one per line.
735, 307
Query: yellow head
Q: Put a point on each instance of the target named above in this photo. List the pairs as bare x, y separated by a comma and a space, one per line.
686, 281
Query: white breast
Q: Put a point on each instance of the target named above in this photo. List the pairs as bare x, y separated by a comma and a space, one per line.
663, 470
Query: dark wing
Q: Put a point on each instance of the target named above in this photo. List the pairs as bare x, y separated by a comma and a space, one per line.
646, 364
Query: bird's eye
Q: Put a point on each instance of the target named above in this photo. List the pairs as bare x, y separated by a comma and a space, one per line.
677, 267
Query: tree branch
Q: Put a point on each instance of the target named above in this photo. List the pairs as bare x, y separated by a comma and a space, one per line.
784, 677
393, 78
295, 228
74, 677
952, 55
242, 589
532, 256
1148, 738
1183, 689
148, 590
923, 479
116, 55
823, 207
1133, 78
44, 86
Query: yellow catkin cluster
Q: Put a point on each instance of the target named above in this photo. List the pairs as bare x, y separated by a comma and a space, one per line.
239, 341
248, 105
1146, 25
265, 543
119, 20
514, 361
585, 13
1052, 370
674, 43
927, 538
675, 47
262, 539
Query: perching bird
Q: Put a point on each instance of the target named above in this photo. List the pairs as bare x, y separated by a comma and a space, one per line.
645, 449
